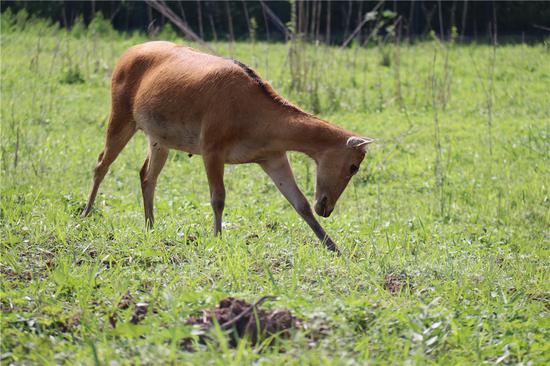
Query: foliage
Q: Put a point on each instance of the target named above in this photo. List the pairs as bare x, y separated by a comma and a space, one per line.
100, 26
471, 17
79, 28
72, 75
168, 33
475, 275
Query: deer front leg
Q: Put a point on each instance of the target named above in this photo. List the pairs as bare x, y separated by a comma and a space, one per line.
214, 165
280, 172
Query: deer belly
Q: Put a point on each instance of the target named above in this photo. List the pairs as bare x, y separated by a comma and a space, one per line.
174, 135
243, 153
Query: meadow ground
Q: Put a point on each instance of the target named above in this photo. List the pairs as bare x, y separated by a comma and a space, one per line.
444, 231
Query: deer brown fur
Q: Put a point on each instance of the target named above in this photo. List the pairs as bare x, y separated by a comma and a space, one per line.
222, 110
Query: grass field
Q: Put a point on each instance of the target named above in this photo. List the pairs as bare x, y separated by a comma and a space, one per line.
444, 231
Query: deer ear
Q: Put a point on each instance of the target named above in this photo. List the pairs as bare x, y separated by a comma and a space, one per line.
355, 142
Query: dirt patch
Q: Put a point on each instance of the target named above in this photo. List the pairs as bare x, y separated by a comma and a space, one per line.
395, 283
47, 325
544, 298
243, 320
251, 238
126, 301
6, 306
68, 325
187, 239
191, 238
140, 310
12, 275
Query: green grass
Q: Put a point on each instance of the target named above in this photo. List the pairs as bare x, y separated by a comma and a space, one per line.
473, 248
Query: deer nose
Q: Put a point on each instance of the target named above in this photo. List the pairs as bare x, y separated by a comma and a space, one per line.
321, 207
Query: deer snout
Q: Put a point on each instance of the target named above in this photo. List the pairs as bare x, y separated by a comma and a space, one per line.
322, 207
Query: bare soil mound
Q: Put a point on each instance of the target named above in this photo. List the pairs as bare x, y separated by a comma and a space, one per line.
244, 320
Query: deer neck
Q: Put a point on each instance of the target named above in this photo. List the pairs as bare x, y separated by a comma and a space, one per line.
309, 135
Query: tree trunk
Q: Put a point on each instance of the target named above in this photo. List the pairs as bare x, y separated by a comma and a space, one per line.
247, 19
149, 16
359, 20
494, 30
64, 15
318, 20
410, 24
311, 16
327, 30
182, 12
441, 31
214, 34
266, 23
463, 28
229, 22
453, 15
348, 19
199, 16
301, 17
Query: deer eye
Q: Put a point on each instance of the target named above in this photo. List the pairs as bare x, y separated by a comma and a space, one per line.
353, 169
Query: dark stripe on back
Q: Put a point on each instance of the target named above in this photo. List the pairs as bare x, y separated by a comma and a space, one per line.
252, 74
267, 89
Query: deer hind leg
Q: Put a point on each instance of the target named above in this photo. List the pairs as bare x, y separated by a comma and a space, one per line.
214, 165
280, 173
121, 129
149, 173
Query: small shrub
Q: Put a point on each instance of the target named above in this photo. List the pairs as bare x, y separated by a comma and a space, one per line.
7, 19
79, 27
385, 59
100, 26
167, 33
72, 75
21, 19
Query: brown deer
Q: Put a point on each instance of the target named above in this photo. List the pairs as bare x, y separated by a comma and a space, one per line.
221, 109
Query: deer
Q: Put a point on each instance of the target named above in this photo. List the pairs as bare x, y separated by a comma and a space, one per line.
223, 111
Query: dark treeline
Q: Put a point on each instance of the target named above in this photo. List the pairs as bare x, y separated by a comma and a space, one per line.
331, 21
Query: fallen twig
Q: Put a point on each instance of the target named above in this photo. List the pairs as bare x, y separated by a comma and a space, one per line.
358, 28
162, 8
